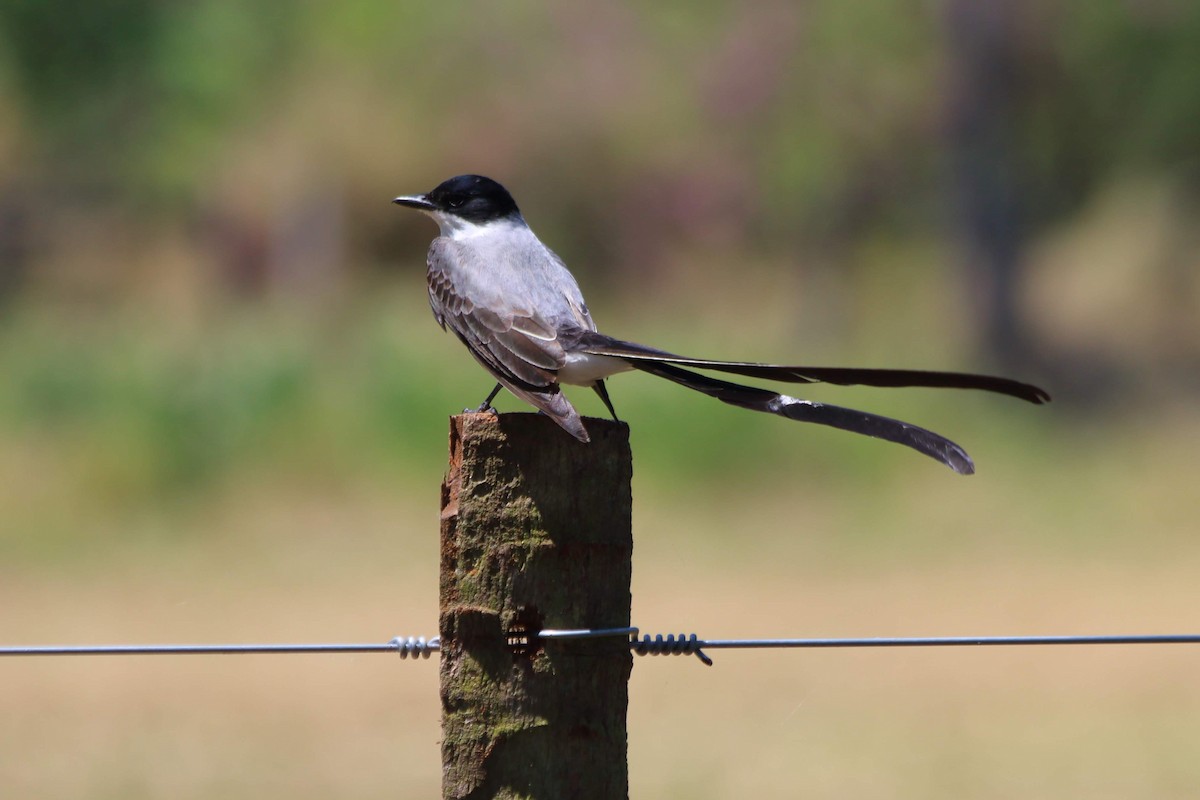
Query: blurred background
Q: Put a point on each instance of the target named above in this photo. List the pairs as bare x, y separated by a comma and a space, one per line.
223, 400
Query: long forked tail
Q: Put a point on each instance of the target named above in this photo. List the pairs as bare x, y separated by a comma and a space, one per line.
892, 430
640, 356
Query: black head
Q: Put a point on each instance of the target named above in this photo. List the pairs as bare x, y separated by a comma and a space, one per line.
471, 197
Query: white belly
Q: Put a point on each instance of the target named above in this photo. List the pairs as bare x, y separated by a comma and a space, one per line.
584, 369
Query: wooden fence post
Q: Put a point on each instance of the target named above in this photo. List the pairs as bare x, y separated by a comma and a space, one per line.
535, 533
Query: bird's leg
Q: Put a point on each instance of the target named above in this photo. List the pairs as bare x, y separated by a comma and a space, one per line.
486, 405
602, 390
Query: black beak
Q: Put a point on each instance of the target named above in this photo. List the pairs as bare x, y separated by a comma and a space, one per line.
418, 201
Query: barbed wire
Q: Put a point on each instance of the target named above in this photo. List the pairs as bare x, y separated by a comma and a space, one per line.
671, 644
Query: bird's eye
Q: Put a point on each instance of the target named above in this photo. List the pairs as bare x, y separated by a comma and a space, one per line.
456, 202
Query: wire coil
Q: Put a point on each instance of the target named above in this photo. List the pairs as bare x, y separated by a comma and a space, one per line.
416, 646
670, 645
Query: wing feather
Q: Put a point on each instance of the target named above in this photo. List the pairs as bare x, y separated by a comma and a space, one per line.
517, 346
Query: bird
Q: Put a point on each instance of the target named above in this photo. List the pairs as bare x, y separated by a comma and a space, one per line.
521, 314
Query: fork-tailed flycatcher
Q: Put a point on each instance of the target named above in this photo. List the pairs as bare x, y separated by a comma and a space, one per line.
515, 306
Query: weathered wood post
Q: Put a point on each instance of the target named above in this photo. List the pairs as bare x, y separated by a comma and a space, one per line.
535, 533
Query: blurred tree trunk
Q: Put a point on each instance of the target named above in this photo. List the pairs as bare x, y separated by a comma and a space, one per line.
984, 111
14, 242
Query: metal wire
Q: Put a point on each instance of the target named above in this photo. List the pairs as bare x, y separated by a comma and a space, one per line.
405, 647
671, 644
956, 641
585, 633
691, 645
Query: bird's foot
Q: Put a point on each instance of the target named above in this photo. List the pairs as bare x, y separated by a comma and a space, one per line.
483, 408
486, 406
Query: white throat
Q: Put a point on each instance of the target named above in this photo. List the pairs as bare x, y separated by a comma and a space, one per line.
458, 229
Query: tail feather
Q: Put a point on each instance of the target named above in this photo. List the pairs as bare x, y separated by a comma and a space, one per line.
554, 404
636, 354
755, 399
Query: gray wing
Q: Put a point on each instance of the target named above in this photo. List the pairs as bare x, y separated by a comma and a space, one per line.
515, 343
